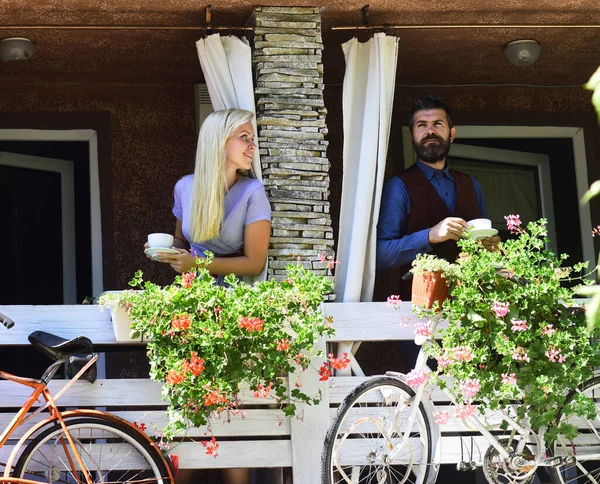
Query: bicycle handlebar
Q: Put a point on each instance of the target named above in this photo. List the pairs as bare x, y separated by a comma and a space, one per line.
6, 321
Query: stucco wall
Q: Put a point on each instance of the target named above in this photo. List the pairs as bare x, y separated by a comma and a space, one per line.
148, 144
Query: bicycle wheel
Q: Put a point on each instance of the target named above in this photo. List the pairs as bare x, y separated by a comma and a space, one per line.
585, 447
110, 451
370, 442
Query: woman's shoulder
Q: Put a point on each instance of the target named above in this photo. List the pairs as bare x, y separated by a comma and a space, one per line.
249, 185
251, 182
184, 182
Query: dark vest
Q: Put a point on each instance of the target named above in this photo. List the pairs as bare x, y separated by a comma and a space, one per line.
428, 209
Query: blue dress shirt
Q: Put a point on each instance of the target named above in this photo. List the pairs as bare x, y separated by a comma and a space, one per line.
395, 249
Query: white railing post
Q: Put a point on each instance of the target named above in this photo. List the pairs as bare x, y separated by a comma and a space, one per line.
309, 427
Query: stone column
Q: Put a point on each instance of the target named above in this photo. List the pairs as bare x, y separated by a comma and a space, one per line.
291, 134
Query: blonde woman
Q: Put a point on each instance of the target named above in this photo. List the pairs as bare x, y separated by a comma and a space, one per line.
219, 209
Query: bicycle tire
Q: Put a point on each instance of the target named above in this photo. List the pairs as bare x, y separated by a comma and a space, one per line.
355, 441
110, 450
587, 441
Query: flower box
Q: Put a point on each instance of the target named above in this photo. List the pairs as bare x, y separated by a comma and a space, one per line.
427, 288
121, 323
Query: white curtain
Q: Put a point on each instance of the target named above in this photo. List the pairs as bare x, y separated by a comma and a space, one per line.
227, 66
368, 96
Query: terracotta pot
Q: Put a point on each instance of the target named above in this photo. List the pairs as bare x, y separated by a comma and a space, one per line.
428, 288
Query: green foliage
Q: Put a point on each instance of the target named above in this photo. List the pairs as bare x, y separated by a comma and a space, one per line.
513, 333
593, 308
594, 85
205, 339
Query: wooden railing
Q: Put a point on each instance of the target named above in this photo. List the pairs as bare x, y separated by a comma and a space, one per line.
265, 437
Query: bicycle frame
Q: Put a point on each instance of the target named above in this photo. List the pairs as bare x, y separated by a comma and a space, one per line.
525, 433
40, 389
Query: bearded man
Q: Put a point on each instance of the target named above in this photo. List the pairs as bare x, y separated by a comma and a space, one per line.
425, 209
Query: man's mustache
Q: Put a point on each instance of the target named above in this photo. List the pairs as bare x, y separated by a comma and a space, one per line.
431, 137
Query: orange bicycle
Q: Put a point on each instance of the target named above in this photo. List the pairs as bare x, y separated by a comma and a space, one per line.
76, 446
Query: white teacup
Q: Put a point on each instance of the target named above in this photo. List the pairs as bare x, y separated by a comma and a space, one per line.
160, 240
480, 223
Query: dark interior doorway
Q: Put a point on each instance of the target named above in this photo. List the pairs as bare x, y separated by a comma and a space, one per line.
31, 242
78, 153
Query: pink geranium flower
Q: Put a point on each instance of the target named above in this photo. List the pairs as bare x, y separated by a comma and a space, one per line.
520, 354
443, 362
416, 378
393, 300
513, 222
554, 355
465, 411
422, 329
442, 417
463, 353
500, 308
469, 388
509, 379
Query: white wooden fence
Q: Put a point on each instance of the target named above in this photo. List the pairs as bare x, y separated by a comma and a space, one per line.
265, 437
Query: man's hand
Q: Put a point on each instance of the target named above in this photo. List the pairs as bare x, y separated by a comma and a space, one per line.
491, 243
451, 228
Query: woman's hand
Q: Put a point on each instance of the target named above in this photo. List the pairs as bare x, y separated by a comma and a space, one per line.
181, 262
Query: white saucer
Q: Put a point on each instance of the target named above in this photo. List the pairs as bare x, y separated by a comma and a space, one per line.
154, 252
483, 233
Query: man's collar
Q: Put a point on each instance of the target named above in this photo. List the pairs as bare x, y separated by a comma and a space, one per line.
428, 171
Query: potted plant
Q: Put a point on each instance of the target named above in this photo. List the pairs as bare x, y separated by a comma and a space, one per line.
205, 340
430, 280
513, 331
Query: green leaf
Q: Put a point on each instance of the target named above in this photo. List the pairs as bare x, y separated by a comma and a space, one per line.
592, 312
594, 85
475, 317
289, 410
594, 188
594, 82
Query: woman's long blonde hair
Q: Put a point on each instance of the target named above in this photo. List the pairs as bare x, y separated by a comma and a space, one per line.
209, 186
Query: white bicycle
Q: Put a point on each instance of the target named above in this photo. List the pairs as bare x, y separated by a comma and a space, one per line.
385, 433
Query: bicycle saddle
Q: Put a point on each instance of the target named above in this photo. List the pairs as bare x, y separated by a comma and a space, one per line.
57, 348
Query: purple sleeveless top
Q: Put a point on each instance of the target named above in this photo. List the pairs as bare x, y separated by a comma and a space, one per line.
245, 203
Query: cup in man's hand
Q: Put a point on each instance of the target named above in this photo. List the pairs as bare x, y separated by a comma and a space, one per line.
481, 228
480, 223
164, 241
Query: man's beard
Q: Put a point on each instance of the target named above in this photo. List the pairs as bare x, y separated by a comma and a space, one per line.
432, 152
